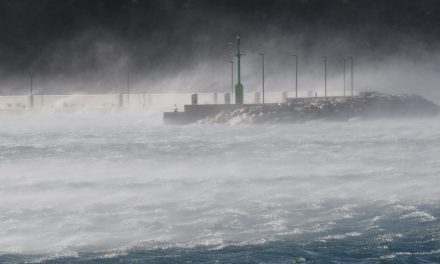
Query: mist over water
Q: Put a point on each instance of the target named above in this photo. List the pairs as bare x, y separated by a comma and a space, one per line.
86, 187
121, 187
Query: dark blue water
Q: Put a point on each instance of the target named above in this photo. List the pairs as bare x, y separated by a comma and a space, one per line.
378, 232
352, 250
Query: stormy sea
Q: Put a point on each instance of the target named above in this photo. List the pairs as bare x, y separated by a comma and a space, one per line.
124, 188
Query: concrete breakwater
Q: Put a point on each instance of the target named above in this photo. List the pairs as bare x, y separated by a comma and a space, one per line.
158, 101
366, 105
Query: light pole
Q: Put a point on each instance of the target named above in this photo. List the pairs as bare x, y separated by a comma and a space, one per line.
296, 75
344, 60
232, 77
231, 46
128, 89
262, 71
352, 66
325, 75
32, 79
31, 96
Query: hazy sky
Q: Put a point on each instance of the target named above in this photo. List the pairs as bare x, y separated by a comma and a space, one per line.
166, 43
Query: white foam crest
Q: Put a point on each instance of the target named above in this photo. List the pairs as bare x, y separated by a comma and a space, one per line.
55, 256
341, 236
425, 253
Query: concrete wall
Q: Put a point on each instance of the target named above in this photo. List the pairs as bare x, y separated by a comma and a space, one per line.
77, 101
13, 102
165, 102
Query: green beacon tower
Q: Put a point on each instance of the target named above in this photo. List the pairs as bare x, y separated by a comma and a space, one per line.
238, 86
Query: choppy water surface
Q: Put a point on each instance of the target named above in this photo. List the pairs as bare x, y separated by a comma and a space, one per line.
122, 188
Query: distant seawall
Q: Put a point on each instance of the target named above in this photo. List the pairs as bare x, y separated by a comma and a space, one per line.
160, 101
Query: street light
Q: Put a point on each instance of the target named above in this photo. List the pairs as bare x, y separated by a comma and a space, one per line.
128, 89
296, 75
344, 60
262, 71
31, 97
32, 78
352, 66
325, 75
232, 77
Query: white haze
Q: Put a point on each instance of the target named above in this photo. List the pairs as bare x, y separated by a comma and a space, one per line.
401, 65
112, 181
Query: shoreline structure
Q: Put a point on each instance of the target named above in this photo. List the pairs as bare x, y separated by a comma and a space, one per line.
295, 108
147, 101
365, 105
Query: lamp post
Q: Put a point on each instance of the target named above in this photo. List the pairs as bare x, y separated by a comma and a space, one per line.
31, 79
31, 97
232, 77
344, 60
352, 67
231, 47
296, 75
128, 89
262, 72
325, 76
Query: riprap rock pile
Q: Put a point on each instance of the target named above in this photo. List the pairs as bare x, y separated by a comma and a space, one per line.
367, 105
